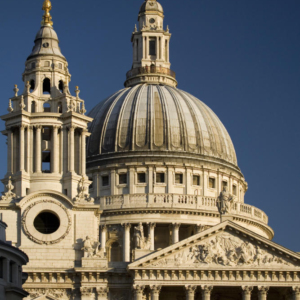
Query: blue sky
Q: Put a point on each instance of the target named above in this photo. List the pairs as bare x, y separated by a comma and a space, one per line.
240, 57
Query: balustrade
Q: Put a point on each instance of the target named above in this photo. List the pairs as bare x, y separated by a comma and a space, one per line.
178, 201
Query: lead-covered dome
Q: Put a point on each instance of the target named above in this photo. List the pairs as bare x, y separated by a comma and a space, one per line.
149, 117
151, 5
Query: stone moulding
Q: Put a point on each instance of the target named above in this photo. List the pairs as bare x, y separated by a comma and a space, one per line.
39, 238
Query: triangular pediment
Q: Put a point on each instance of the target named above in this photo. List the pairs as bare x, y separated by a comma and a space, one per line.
226, 245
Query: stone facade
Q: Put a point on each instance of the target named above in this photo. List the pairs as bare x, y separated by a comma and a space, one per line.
11, 262
142, 198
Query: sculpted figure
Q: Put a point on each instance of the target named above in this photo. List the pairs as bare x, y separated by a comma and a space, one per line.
88, 247
139, 236
224, 201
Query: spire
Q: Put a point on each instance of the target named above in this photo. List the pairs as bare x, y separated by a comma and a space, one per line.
47, 19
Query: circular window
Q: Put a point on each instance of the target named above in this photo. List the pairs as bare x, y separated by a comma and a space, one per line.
46, 223
46, 45
152, 21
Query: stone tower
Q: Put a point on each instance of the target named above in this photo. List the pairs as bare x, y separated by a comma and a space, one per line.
46, 126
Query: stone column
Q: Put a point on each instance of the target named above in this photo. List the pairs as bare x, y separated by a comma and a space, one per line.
38, 148
103, 237
150, 180
138, 291
83, 152
247, 290
86, 293
131, 181
55, 155
151, 227
126, 242
206, 292
175, 233
71, 148
102, 293
22, 148
296, 292
9, 151
190, 292
262, 292
29, 149
155, 290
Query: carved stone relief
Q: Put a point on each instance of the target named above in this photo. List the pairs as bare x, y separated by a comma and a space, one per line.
224, 250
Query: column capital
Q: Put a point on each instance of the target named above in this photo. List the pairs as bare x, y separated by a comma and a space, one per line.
155, 288
137, 288
247, 289
71, 127
126, 225
190, 288
296, 290
207, 289
263, 289
86, 291
176, 225
38, 127
56, 126
102, 291
22, 126
151, 225
103, 227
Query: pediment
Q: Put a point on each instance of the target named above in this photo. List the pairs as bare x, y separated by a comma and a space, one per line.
226, 245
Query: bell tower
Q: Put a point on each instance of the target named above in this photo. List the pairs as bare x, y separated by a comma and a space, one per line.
46, 126
150, 42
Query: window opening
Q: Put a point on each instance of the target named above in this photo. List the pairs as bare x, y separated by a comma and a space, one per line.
105, 180
11, 265
47, 107
179, 178
46, 223
196, 180
160, 177
59, 107
46, 86
212, 183
46, 134
141, 177
123, 178
33, 106
224, 184
1, 267
61, 86
115, 252
32, 85
152, 47
33, 65
46, 161
234, 190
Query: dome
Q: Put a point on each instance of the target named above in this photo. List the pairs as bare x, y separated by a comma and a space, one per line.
151, 6
153, 118
46, 43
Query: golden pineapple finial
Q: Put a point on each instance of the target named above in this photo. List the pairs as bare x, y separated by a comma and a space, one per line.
47, 19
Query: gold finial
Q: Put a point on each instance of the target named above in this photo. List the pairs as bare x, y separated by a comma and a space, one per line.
47, 19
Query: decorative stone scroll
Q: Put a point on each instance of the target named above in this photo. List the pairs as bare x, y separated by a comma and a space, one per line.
56, 293
9, 195
225, 250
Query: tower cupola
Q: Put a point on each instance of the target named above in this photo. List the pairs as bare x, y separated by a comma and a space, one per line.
150, 41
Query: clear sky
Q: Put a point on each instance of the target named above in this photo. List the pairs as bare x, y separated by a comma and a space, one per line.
240, 57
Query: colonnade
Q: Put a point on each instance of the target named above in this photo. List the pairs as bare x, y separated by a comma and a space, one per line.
25, 149
206, 291
126, 237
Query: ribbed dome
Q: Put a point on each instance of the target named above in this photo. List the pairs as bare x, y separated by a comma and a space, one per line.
151, 6
46, 43
158, 118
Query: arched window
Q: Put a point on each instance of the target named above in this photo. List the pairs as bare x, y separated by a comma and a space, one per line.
32, 85
61, 86
47, 107
33, 107
59, 107
115, 252
46, 86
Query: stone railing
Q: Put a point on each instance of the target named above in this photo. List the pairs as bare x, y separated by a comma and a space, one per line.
178, 201
150, 70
